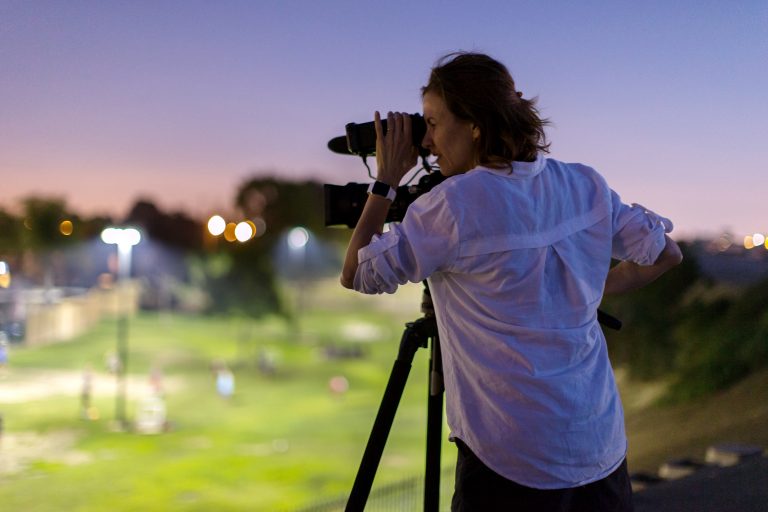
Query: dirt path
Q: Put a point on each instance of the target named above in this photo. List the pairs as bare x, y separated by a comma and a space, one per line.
19, 449
19, 386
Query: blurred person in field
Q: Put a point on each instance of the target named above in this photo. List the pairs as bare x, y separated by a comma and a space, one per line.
225, 380
3, 352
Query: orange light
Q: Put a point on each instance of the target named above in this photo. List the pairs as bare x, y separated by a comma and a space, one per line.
5, 275
748, 242
66, 228
253, 228
229, 232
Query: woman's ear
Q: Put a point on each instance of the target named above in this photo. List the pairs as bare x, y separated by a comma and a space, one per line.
475, 133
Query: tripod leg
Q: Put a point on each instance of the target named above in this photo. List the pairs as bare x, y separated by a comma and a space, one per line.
383, 423
434, 430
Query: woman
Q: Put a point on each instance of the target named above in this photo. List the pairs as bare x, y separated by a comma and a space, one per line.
517, 250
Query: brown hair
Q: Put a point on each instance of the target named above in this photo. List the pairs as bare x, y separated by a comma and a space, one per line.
479, 89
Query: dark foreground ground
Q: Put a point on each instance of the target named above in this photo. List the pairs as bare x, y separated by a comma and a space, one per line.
741, 488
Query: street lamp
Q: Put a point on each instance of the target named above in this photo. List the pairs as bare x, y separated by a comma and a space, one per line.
297, 239
125, 239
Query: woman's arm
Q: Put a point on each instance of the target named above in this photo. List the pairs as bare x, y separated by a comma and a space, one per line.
627, 276
371, 223
395, 156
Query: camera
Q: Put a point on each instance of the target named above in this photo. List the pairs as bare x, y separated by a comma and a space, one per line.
344, 203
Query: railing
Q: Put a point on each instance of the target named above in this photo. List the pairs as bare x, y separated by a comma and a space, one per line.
65, 318
403, 496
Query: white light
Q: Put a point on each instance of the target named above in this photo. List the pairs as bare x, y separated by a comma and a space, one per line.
758, 239
3, 268
298, 238
109, 236
216, 225
122, 237
243, 232
130, 236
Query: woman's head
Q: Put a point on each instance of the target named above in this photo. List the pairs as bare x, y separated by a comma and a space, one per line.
479, 91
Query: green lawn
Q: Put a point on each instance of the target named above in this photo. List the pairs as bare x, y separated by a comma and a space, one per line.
282, 442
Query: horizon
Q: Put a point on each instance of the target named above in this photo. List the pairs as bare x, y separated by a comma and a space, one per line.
181, 102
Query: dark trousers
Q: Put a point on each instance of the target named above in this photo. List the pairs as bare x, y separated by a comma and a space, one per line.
480, 489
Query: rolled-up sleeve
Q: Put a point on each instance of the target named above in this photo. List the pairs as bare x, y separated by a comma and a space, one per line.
638, 233
426, 241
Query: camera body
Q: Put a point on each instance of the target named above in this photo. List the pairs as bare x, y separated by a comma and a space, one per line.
344, 203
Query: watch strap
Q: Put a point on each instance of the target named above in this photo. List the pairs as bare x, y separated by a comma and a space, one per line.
380, 188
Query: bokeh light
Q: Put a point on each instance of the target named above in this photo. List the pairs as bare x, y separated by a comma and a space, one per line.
748, 242
216, 225
758, 239
244, 231
723, 243
131, 236
121, 236
253, 228
5, 275
66, 228
298, 238
261, 226
229, 232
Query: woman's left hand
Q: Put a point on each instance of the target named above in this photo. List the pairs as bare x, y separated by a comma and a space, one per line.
395, 152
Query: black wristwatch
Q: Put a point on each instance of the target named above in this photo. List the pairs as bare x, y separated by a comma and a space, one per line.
380, 188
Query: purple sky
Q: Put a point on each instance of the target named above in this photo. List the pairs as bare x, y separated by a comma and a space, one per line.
103, 102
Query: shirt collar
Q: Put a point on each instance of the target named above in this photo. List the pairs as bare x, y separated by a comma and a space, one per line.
522, 170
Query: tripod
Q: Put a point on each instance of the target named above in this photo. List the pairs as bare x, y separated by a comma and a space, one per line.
416, 335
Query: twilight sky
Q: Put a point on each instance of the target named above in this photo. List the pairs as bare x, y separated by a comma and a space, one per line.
103, 102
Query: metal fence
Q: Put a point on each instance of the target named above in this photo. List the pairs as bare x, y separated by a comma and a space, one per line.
404, 496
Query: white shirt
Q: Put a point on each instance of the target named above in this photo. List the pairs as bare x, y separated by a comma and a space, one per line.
516, 264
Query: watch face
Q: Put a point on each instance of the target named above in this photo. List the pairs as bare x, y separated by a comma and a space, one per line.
380, 189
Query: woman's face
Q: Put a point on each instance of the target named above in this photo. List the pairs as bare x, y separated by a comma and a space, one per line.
452, 140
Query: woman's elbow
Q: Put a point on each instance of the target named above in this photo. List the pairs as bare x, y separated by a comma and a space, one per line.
347, 281
671, 256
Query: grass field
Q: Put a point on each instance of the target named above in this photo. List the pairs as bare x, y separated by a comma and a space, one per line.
283, 441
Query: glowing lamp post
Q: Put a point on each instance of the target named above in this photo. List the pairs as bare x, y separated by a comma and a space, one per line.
125, 239
298, 238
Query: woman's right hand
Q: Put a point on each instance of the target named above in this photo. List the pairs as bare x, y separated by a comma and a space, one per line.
395, 152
